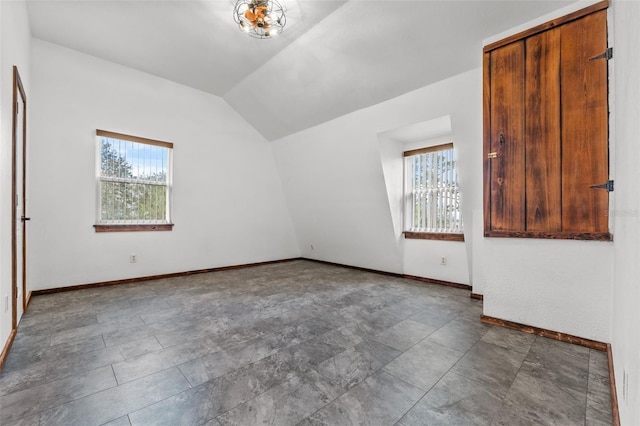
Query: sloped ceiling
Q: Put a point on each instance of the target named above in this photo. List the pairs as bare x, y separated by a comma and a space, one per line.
334, 57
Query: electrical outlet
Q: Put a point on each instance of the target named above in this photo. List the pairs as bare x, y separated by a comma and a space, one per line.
6, 304
443, 260
133, 258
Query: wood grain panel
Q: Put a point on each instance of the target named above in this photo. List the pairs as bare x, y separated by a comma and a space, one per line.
232, 267
556, 335
156, 277
428, 149
137, 139
7, 347
585, 154
615, 412
440, 236
586, 236
393, 274
507, 138
486, 136
133, 228
438, 282
548, 25
542, 134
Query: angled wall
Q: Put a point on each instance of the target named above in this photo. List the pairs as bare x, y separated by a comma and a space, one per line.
335, 181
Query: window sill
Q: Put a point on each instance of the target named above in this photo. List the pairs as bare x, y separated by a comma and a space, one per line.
134, 228
440, 236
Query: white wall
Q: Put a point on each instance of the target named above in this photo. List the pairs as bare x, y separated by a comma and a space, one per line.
421, 258
626, 213
228, 204
558, 285
335, 183
14, 50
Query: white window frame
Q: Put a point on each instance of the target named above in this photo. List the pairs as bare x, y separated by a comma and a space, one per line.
139, 223
438, 191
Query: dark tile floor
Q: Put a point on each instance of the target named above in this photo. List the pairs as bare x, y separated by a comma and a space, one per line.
285, 344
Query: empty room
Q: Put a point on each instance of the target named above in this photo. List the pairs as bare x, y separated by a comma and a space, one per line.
319, 212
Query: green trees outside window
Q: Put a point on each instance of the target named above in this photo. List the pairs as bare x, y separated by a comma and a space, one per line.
134, 182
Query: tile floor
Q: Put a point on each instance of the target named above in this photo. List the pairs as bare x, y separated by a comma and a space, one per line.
287, 344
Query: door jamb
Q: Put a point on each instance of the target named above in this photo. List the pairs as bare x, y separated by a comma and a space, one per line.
18, 89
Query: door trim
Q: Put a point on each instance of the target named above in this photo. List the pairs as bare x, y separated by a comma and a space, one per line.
18, 89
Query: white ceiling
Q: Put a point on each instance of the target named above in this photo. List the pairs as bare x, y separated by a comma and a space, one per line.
333, 57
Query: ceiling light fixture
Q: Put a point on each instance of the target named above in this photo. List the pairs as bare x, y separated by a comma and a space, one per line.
260, 18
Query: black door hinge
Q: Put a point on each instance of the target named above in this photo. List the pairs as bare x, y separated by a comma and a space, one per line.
606, 186
607, 54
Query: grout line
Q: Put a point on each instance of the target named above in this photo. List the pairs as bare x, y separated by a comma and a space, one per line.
586, 393
334, 285
185, 377
69, 400
154, 403
514, 379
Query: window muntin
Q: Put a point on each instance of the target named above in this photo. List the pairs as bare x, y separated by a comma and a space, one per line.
134, 180
432, 193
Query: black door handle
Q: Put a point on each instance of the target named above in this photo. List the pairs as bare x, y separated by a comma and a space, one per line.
22, 218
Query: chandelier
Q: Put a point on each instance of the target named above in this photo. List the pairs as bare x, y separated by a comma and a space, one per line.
260, 18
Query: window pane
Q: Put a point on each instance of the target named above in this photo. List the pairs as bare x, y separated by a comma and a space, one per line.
125, 159
113, 161
133, 202
134, 182
433, 195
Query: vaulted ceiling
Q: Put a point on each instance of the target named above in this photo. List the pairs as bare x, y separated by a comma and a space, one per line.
334, 57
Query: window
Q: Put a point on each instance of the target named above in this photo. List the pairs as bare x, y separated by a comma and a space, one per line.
432, 194
133, 183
